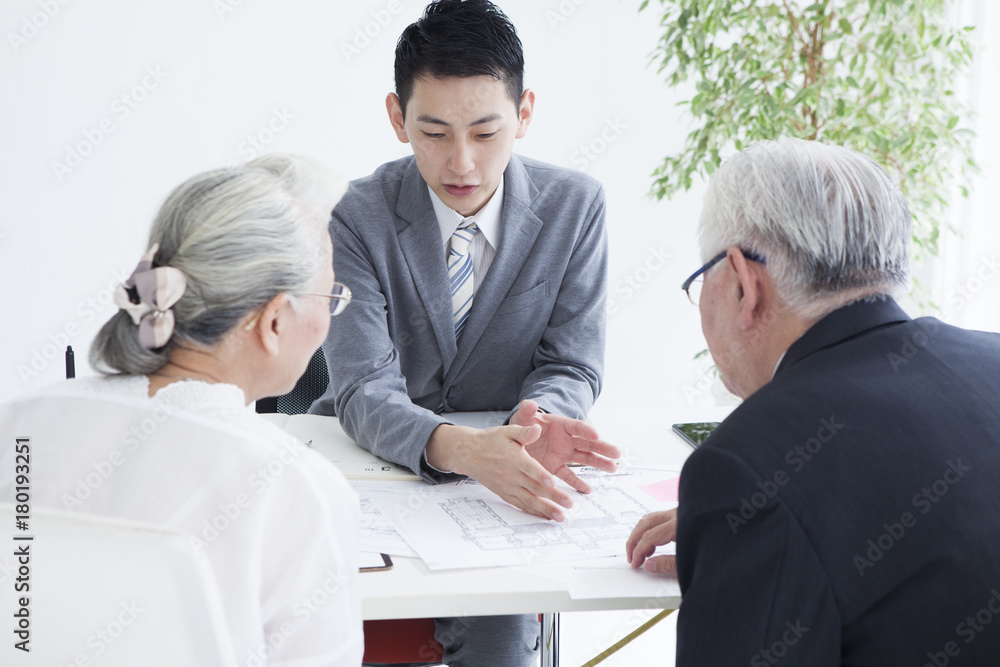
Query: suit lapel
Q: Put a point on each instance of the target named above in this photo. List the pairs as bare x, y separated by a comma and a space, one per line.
420, 242
519, 230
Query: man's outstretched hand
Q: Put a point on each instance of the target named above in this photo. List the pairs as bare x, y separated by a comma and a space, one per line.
520, 462
562, 441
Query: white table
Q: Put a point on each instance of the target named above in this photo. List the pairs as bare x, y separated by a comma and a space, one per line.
411, 590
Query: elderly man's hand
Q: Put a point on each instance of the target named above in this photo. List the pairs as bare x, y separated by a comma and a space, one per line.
564, 440
653, 530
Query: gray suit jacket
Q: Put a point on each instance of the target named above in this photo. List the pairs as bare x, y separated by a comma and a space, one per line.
537, 325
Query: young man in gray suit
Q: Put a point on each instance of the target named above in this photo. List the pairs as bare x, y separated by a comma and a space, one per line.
479, 282
848, 512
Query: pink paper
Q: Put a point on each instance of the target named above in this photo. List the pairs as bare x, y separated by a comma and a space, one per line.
665, 491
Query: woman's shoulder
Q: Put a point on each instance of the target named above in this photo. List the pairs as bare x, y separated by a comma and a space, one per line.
116, 386
264, 447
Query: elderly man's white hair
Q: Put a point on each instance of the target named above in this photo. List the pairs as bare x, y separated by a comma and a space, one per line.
830, 222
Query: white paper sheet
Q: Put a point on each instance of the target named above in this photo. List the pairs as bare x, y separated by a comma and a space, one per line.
466, 525
378, 533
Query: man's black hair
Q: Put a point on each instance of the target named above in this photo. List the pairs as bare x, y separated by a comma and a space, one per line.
461, 38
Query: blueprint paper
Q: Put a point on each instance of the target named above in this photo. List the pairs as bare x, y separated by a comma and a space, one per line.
378, 533
464, 524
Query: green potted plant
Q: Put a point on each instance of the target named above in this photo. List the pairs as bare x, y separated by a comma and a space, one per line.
878, 76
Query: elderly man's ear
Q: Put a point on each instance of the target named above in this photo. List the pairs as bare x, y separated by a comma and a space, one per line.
755, 289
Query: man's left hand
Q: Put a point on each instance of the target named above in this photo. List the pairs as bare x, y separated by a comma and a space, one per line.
563, 441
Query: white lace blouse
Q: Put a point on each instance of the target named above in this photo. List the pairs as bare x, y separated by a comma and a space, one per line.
278, 523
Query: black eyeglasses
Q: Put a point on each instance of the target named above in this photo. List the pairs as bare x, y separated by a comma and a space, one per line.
692, 286
338, 300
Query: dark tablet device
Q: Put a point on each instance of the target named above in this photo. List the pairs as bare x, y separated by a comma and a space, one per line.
694, 433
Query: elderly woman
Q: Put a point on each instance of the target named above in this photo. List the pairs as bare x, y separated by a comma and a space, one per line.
228, 304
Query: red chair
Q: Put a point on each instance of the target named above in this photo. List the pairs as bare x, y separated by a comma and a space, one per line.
412, 640
402, 640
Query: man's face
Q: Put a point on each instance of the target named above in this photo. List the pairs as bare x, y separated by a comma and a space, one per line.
462, 131
719, 307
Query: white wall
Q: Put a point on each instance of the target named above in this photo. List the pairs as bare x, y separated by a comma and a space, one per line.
967, 277
155, 92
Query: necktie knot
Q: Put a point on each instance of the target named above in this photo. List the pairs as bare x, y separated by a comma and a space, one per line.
461, 241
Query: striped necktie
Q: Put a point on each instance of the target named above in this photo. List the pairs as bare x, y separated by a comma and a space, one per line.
460, 274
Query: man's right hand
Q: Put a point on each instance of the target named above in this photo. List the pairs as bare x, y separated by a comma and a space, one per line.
653, 530
496, 458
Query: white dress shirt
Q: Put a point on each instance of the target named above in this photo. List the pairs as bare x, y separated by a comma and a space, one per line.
489, 219
278, 523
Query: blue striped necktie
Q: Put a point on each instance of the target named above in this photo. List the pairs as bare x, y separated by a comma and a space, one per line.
460, 274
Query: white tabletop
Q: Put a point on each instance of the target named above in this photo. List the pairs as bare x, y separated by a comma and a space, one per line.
411, 590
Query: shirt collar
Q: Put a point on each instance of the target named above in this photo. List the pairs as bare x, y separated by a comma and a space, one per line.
780, 359
487, 219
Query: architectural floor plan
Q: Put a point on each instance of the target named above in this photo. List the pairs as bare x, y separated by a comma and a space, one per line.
492, 532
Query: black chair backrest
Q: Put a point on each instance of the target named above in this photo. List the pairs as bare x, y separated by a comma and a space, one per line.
310, 386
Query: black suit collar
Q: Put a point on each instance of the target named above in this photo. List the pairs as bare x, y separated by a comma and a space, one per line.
841, 325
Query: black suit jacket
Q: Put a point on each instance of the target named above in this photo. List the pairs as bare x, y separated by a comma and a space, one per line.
848, 513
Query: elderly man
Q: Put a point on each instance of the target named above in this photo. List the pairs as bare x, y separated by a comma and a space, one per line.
848, 512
